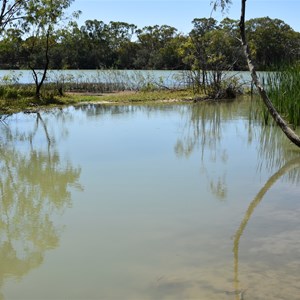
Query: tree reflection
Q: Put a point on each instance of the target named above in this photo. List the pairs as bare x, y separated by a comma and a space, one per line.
97, 110
203, 131
293, 168
34, 186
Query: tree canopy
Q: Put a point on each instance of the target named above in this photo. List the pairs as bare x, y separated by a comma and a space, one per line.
121, 45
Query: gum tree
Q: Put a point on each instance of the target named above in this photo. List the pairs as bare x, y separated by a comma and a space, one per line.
11, 11
42, 19
291, 135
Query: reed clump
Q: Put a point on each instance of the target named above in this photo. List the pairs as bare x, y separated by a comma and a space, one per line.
283, 88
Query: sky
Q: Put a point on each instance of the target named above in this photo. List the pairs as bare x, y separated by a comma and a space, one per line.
180, 13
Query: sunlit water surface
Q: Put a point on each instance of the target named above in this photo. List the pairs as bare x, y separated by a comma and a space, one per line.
148, 202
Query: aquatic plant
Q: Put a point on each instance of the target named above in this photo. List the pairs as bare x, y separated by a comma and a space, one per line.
284, 90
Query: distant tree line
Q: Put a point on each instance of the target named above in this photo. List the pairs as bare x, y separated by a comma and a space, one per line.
210, 45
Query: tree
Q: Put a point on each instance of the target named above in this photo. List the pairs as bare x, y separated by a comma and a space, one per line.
11, 10
291, 135
120, 43
155, 43
195, 51
272, 42
41, 20
95, 45
11, 49
211, 49
69, 52
231, 45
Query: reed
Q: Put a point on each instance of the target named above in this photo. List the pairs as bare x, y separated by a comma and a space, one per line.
108, 81
283, 88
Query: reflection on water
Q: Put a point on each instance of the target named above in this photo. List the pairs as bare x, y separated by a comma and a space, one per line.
151, 225
203, 130
292, 165
34, 185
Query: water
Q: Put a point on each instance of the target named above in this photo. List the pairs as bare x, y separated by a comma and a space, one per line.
148, 202
133, 79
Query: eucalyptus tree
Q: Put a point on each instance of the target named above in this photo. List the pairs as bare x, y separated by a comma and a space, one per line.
11, 11
290, 134
155, 43
66, 54
11, 14
209, 50
43, 17
95, 49
126, 55
121, 44
231, 47
195, 52
120, 32
272, 42
11, 49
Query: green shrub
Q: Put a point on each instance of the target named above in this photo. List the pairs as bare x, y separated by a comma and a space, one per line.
11, 93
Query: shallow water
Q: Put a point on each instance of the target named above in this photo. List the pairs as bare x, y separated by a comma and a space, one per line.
132, 79
148, 202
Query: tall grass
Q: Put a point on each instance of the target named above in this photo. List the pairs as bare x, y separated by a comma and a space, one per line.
283, 88
106, 81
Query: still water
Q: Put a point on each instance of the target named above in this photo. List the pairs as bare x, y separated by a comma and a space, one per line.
132, 79
148, 202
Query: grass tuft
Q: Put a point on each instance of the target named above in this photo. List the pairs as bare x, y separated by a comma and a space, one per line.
283, 88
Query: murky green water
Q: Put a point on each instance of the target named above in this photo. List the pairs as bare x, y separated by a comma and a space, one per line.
137, 202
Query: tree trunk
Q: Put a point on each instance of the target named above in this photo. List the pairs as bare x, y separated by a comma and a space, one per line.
291, 135
39, 84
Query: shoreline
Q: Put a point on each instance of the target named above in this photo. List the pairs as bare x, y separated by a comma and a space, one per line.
126, 97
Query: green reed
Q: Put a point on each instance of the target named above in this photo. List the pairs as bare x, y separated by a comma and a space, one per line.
283, 88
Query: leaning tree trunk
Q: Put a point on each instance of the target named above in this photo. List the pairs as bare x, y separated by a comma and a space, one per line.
292, 136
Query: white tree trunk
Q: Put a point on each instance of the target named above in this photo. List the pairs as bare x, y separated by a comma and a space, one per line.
292, 136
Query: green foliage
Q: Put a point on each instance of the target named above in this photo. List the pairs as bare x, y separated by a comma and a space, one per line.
11, 12
16, 91
157, 48
284, 89
213, 84
40, 21
272, 43
11, 93
210, 45
223, 4
213, 47
44, 13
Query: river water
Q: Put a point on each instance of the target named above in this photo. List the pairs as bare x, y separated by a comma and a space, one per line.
131, 79
173, 201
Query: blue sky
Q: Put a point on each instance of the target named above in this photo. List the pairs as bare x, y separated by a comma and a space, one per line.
180, 13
